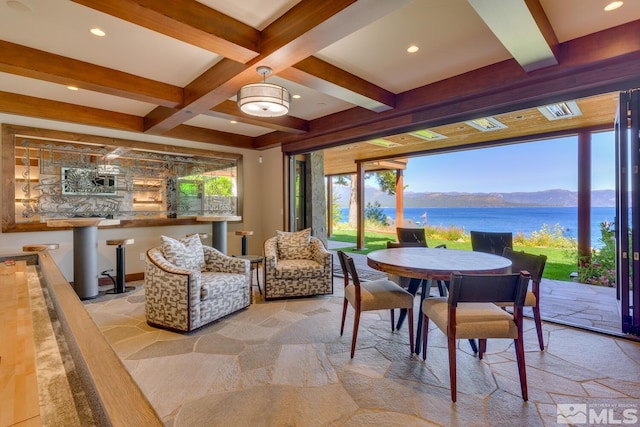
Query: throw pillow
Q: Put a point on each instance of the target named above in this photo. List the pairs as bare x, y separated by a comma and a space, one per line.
294, 245
184, 253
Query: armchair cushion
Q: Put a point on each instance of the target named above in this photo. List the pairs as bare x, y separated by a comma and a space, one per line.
294, 245
184, 253
298, 268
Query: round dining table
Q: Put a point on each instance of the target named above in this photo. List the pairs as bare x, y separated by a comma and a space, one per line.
429, 264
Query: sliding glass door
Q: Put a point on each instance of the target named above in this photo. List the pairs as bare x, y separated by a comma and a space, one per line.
627, 128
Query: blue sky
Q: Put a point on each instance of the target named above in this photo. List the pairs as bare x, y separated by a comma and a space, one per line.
533, 166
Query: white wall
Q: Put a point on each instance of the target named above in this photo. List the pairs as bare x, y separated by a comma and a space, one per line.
262, 204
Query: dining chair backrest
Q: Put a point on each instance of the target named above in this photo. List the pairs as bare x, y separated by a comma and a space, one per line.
520, 261
411, 235
491, 242
393, 245
495, 288
348, 269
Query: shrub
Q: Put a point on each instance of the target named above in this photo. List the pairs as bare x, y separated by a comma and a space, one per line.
600, 269
374, 214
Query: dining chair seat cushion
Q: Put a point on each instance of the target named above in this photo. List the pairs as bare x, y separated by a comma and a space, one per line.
379, 295
529, 300
473, 320
298, 268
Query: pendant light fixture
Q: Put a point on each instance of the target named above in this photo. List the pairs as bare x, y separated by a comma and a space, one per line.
264, 99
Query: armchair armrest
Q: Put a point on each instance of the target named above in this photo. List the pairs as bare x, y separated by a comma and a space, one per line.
164, 281
216, 261
320, 254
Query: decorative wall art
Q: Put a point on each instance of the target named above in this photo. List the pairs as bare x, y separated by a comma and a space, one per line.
64, 179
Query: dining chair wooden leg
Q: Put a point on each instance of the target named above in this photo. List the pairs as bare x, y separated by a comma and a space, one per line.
536, 318
356, 323
425, 335
344, 315
483, 347
411, 342
522, 372
452, 366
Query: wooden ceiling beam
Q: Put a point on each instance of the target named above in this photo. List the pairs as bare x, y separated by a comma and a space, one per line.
593, 64
523, 28
27, 62
22, 105
189, 21
229, 110
320, 75
30, 106
194, 133
306, 28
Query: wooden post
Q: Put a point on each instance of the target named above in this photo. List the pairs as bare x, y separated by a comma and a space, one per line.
360, 205
584, 196
329, 206
399, 198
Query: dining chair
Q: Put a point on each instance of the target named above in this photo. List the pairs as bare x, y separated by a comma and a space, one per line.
373, 295
491, 242
534, 264
411, 235
470, 312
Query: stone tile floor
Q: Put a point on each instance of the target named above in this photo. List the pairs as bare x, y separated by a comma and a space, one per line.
283, 363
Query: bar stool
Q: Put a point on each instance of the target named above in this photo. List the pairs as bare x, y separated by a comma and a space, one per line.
38, 247
244, 234
119, 283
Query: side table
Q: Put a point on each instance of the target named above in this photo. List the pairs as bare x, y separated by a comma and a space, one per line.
255, 261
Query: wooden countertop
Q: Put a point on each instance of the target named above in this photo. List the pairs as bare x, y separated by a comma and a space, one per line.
81, 222
216, 218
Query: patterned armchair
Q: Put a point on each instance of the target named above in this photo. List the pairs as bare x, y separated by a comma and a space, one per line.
296, 265
185, 295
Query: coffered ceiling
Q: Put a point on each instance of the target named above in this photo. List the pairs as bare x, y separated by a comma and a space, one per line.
172, 68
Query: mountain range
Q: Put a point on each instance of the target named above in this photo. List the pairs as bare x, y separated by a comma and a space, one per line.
545, 198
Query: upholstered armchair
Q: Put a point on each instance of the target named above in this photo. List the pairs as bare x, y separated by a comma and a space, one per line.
188, 285
296, 265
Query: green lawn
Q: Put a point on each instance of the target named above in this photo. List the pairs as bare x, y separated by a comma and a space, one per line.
560, 262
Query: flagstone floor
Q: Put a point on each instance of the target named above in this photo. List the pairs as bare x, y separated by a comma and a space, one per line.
283, 363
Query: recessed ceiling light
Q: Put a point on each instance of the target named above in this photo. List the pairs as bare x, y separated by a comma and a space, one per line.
486, 124
561, 110
296, 97
429, 135
413, 49
613, 6
19, 6
383, 143
98, 32
72, 88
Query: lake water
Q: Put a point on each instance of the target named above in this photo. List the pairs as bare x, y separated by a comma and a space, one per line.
516, 220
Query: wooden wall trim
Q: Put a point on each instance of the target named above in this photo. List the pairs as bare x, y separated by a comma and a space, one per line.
122, 400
